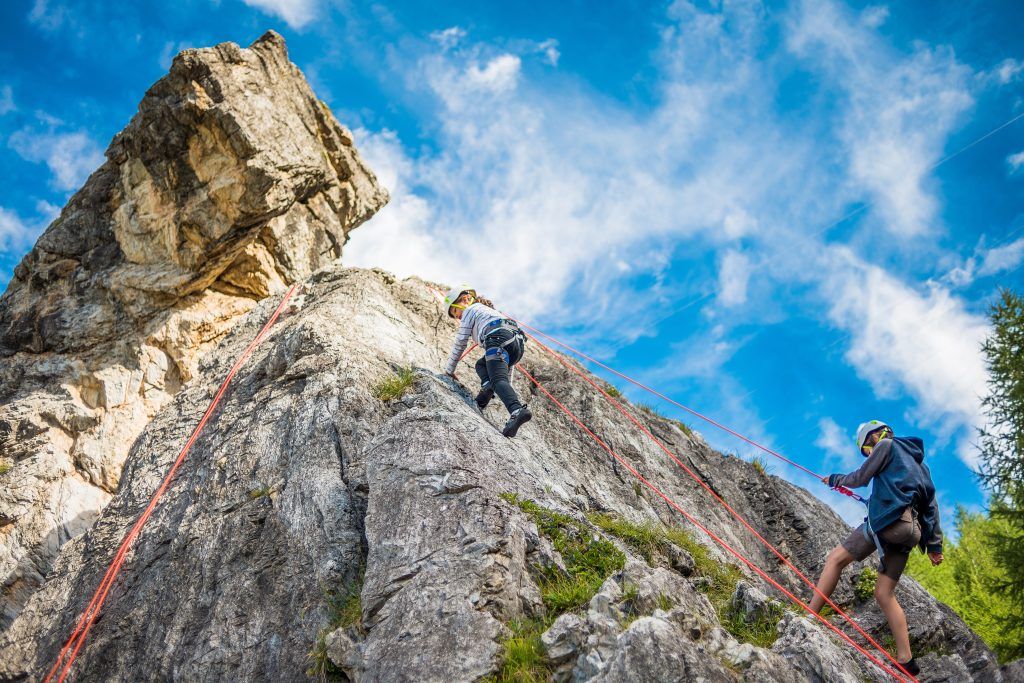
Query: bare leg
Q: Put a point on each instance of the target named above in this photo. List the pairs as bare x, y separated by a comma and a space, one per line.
885, 594
834, 565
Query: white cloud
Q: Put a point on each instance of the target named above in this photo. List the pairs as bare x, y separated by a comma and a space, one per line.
874, 16
498, 76
733, 276
1009, 70
897, 112
1002, 258
924, 345
6, 100
16, 234
549, 48
837, 444
1015, 161
449, 37
48, 14
296, 13
71, 157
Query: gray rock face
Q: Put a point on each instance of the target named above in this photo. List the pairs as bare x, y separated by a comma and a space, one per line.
305, 481
230, 182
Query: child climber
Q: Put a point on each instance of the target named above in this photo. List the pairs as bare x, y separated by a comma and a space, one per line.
503, 344
902, 513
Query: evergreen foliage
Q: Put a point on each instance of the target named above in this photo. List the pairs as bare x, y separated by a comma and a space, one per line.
1002, 458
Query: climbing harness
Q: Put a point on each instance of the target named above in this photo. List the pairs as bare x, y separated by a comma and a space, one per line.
69, 652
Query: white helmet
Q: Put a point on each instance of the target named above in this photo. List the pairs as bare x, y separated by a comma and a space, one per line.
454, 294
865, 430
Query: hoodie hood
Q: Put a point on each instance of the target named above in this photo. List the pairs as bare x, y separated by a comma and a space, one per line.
913, 445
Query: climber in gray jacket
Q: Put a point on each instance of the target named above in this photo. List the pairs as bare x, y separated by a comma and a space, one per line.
902, 514
503, 344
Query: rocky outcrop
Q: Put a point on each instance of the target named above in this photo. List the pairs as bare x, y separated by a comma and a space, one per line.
306, 483
230, 182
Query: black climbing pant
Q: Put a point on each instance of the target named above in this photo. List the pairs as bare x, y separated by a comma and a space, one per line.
493, 368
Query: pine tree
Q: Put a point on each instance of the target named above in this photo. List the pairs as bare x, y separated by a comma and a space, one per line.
1002, 449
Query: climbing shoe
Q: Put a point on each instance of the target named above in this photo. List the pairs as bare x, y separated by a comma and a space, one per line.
911, 667
484, 397
516, 420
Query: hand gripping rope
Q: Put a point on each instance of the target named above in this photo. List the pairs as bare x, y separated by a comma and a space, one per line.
69, 652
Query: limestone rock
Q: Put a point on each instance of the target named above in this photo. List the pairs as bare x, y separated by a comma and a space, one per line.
230, 182
225, 585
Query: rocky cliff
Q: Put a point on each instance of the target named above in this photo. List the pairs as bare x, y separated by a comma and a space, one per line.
311, 482
348, 513
232, 181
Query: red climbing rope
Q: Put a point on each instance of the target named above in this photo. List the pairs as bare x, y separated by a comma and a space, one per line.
618, 406
85, 622
732, 551
840, 489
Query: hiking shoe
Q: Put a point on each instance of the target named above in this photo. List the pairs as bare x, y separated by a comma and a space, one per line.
911, 667
516, 420
484, 397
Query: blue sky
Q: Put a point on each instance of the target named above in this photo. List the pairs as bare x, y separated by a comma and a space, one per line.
786, 215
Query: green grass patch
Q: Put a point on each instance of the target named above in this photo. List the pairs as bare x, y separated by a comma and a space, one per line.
344, 609
393, 387
5, 467
260, 492
761, 465
761, 630
589, 560
651, 410
613, 391
864, 584
522, 654
649, 539
685, 428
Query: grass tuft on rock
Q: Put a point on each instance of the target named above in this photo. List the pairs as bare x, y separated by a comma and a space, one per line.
613, 391
5, 467
344, 609
395, 386
589, 560
522, 654
760, 630
864, 584
761, 465
719, 578
260, 492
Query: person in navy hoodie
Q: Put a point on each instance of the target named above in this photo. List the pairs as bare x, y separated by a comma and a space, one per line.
902, 514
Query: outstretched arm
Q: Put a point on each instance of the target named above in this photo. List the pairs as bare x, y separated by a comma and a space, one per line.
873, 465
461, 340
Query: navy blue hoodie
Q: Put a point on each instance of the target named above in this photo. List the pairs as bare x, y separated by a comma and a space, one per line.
899, 479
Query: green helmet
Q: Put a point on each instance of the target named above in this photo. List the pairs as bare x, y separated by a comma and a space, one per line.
454, 294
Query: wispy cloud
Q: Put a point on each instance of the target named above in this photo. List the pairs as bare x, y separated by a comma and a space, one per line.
49, 15
896, 113
17, 233
1015, 161
1004, 258
449, 37
837, 444
733, 276
296, 13
1009, 70
6, 100
924, 344
70, 156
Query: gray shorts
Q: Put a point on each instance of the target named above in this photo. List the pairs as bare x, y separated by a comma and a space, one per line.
897, 539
